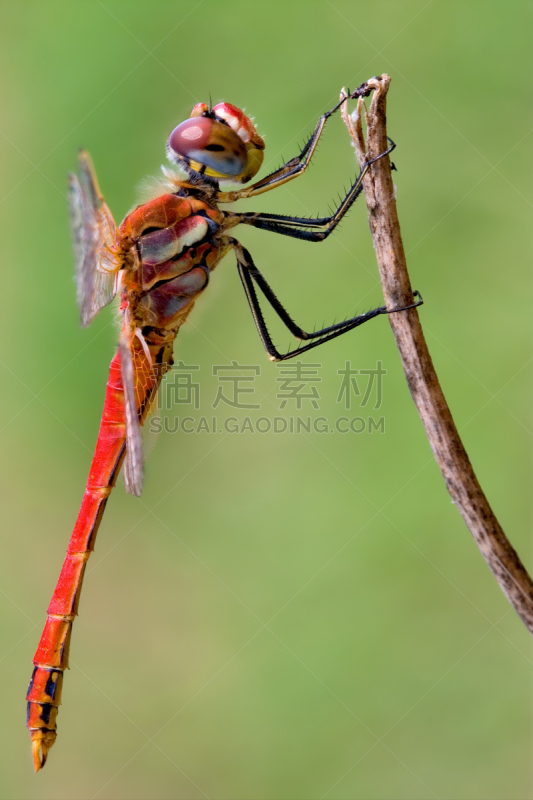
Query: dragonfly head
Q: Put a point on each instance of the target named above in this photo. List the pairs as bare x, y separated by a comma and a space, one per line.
221, 143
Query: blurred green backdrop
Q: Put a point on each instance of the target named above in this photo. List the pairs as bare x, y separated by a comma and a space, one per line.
279, 616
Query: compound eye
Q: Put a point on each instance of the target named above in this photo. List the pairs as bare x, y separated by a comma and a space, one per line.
209, 143
193, 134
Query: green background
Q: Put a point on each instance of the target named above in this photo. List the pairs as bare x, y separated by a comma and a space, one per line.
278, 616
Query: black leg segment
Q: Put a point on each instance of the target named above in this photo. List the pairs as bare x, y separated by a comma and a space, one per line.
296, 166
249, 274
311, 230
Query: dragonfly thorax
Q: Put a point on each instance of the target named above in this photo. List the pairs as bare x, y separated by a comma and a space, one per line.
222, 144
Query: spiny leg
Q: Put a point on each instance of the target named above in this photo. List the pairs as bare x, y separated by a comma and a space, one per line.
296, 226
296, 166
249, 273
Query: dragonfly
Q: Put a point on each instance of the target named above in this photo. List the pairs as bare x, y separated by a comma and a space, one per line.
158, 262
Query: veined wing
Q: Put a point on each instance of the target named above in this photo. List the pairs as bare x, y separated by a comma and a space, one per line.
133, 463
96, 241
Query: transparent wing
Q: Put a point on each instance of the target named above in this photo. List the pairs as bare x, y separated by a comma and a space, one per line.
151, 428
96, 241
133, 464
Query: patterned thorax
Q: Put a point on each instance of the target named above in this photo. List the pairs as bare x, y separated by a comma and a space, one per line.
173, 252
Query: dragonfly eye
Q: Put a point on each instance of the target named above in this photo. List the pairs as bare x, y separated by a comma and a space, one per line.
223, 144
203, 142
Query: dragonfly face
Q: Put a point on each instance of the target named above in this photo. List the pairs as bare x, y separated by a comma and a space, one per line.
222, 144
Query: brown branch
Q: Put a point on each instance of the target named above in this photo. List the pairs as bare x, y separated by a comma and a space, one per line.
427, 394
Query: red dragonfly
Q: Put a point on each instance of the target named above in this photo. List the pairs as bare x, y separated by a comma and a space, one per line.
159, 261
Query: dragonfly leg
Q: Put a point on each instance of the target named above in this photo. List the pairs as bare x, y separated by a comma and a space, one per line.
312, 230
249, 274
296, 166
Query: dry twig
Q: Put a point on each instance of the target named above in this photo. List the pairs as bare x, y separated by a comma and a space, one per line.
426, 391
